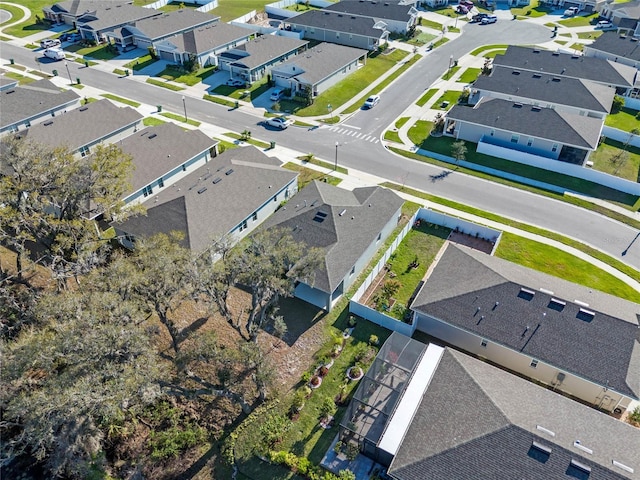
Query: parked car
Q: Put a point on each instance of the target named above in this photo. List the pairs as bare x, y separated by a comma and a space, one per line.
478, 17
54, 53
372, 101
276, 95
50, 42
571, 11
466, 3
74, 37
462, 9
489, 19
606, 25
279, 122
234, 82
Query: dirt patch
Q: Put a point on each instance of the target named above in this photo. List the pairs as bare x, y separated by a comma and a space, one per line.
471, 241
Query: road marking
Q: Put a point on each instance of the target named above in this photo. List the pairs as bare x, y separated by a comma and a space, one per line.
351, 126
360, 135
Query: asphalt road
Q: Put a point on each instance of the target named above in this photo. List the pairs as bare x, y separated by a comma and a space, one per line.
616, 239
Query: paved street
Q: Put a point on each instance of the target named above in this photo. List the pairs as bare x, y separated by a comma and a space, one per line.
359, 137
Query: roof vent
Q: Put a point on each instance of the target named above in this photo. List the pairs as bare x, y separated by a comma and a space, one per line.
320, 216
46, 124
82, 109
545, 430
229, 172
622, 466
580, 302
536, 51
216, 180
555, 79
537, 75
579, 446
557, 304
555, 54
541, 447
327, 13
153, 135
343, 212
10, 91
580, 466
633, 39
544, 290
526, 294
586, 315
517, 105
536, 109
515, 72
202, 190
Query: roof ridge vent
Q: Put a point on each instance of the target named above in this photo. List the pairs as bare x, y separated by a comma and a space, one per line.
82, 109
527, 290
544, 290
216, 180
580, 302
622, 466
579, 446
545, 430
202, 190
46, 124
343, 212
229, 172
153, 135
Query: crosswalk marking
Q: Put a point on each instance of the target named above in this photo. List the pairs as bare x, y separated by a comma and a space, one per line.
353, 133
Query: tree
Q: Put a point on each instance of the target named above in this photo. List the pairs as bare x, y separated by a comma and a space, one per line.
47, 199
618, 103
459, 151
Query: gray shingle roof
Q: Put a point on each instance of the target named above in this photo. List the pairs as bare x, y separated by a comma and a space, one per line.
6, 82
33, 100
170, 23
322, 61
158, 150
619, 45
375, 9
547, 88
576, 66
476, 421
114, 16
338, 22
527, 120
209, 38
343, 237
255, 179
78, 7
84, 125
628, 9
602, 349
265, 49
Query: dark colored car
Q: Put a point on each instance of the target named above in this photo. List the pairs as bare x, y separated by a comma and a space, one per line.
478, 17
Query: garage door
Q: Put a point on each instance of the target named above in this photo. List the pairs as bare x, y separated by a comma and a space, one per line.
164, 55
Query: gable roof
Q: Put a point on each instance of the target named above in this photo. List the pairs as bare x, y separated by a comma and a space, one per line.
34, 99
376, 9
169, 23
264, 49
338, 22
158, 150
84, 125
204, 39
6, 83
628, 9
477, 421
505, 303
619, 45
79, 7
321, 61
576, 66
202, 209
114, 16
343, 223
548, 88
529, 120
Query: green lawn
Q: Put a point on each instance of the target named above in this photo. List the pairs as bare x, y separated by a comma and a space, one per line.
533, 10
180, 118
23, 79
431, 24
577, 47
168, 86
172, 7
422, 38
307, 175
315, 161
470, 75
220, 101
392, 135
419, 130
450, 96
255, 90
250, 140
580, 20
98, 52
232, 9
553, 261
422, 101
225, 145
590, 35
126, 101
485, 48
605, 159
626, 119
16, 13
140, 63
188, 78
152, 121
450, 72
493, 53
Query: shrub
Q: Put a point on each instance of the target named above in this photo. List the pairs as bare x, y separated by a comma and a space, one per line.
299, 399
274, 428
322, 371
327, 408
315, 380
618, 103
175, 440
338, 447
374, 340
635, 415
352, 321
306, 376
352, 451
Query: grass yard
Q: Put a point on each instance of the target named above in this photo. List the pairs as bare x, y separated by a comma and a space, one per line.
610, 158
168, 86
493, 53
558, 263
470, 75
232, 9
392, 135
578, 47
580, 20
172, 7
140, 63
590, 35
301, 8
16, 13
98, 52
224, 145
450, 96
626, 119
255, 90
29, 26
419, 131
431, 24
422, 101
533, 10
219, 101
250, 140
188, 78
152, 121
180, 118
22, 79
422, 38
308, 175
310, 158
485, 48
450, 72
126, 101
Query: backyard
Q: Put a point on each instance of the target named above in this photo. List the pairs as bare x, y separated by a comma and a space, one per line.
615, 159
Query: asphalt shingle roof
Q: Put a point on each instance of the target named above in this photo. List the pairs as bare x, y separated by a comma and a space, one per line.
113, 16
576, 66
34, 99
628, 9
169, 23
264, 49
614, 44
528, 120
321, 61
338, 22
375, 9
209, 38
548, 88
476, 421
203, 215
83, 125
341, 222
157, 150
483, 295
78, 7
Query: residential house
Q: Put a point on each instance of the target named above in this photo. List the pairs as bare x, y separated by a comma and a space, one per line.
572, 95
340, 28
162, 155
583, 5
147, 31
96, 24
25, 105
574, 339
398, 17
318, 68
69, 11
461, 418
349, 226
621, 77
616, 48
7, 83
254, 59
83, 128
507, 129
230, 195
205, 44
626, 16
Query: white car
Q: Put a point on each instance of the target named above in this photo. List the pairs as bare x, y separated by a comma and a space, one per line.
372, 101
50, 42
571, 11
489, 19
606, 25
54, 53
279, 122
276, 95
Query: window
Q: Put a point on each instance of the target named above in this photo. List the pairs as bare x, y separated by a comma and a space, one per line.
492, 132
146, 191
84, 151
534, 363
484, 343
554, 148
184, 167
254, 217
529, 142
160, 182
514, 138
243, 225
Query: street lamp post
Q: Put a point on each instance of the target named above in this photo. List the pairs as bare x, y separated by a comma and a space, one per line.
335, 165
184, 104
329, 109
450, 65
66, 65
